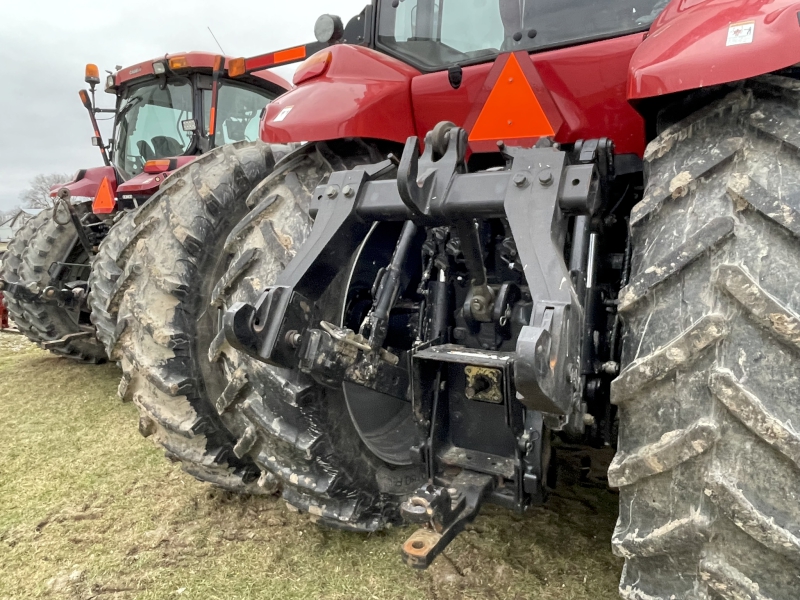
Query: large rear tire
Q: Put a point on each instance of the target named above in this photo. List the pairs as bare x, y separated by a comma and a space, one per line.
108, 266
297, 430
709, 452
34, 260
153, 310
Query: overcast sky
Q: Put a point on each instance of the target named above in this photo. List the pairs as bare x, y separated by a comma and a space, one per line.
45, 44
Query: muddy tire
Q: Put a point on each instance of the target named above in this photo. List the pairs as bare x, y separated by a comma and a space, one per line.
163, 264
709, 451
12, 262
31, 260
107, 268
299, 432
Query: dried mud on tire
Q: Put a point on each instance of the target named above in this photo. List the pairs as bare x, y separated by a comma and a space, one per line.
709, 461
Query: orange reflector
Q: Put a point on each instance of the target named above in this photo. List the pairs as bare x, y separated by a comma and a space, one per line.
512, 110
85, 99
290, 55
104, 201
178, 62
236, 67
157, 166
313, 67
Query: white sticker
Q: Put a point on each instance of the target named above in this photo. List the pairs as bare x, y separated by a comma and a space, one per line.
741, 33
283, 114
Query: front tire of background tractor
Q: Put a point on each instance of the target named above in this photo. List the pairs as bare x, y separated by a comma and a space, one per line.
298, 431
31, 258
709, 451
153, 310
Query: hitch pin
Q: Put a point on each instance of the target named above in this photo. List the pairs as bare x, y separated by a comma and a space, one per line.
346, 336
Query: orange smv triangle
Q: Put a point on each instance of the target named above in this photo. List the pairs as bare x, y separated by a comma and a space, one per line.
104, 201
512, 110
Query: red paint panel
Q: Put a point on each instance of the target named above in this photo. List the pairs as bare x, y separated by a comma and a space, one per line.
88, 185
363, 94
688, 46
586, 86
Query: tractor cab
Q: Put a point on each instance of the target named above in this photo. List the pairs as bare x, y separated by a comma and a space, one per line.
167, 112
164, 109
436, 34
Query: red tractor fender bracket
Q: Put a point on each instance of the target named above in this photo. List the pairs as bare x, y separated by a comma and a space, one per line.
700, 43
87, 182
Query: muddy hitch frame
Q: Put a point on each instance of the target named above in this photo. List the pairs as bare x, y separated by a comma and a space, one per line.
537, 193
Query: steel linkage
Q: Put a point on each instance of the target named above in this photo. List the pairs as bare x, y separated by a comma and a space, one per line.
497, 361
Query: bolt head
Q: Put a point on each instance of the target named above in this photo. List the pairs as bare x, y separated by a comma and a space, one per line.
520, 180
546, 177
331, 192
294, 338
477, 304
348, 191
588, 420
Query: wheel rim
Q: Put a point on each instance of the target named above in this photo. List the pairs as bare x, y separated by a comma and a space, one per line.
384, 423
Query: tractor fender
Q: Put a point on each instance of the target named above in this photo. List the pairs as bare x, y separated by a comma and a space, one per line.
87, 182
701, 43
147, 184
363, 94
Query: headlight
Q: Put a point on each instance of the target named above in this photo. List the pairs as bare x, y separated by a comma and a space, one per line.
109, 82
159, 68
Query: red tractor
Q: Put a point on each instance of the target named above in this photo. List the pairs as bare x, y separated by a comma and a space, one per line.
168, 112
512, 225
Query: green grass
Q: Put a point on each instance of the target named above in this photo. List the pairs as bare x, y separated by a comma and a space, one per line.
89, 509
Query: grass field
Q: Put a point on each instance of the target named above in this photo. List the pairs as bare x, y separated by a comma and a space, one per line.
90, 509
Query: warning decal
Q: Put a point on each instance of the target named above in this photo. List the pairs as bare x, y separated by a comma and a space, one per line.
283, 114
741, 33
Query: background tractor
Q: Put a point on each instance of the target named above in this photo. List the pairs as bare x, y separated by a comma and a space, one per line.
168, 112
515, 227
